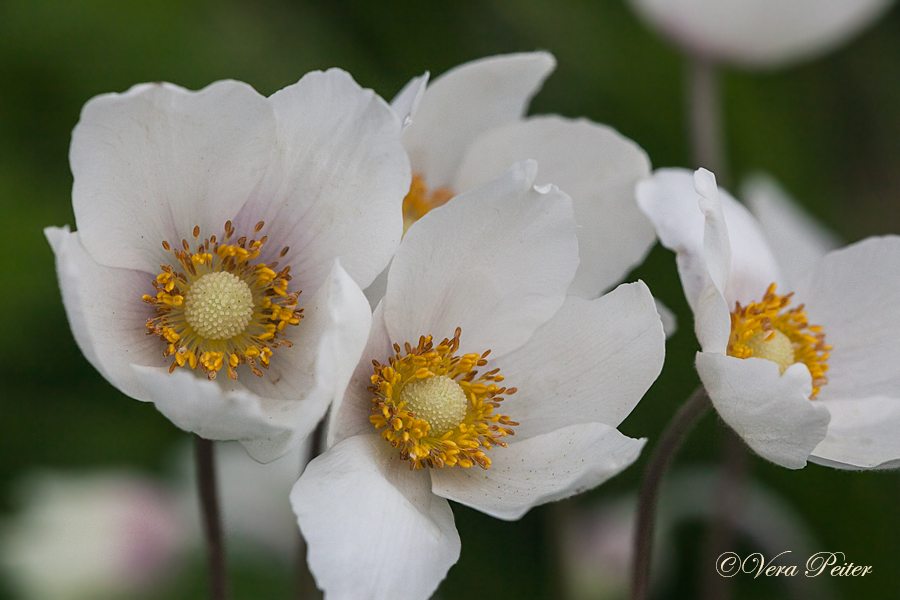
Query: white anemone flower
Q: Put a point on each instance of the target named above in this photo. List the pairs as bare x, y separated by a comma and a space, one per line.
767, 341
201, 218
422, 421
759, 33
468, 126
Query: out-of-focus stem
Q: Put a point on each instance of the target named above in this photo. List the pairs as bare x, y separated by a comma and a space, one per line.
705, 118
679, 427
729, 495
212, 521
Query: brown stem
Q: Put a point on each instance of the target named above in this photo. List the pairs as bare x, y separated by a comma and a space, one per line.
679, 427
729, 496
212, 521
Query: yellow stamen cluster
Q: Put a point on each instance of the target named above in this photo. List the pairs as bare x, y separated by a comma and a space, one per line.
767, 330
217, 309
398, 389
418, 201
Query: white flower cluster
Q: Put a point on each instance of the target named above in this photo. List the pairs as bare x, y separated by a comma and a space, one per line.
491, 244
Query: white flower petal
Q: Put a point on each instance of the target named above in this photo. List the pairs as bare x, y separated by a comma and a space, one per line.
853, 295
407, 101
106, 313
797, 240
753, 266
760, 33
496, 261
375, 531
862, 433
670, 199
466, 101
541, 469
722, 255
315, 371
152, 163
592, 362
772, 413
668, 318
350, 415
336, 186
207, 409
597, 167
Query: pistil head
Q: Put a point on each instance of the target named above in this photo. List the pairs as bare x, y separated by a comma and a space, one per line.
438, 400
219, 305
435, 408
769, 330
774, 346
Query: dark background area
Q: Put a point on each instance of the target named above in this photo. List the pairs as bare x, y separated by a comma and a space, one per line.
828, 130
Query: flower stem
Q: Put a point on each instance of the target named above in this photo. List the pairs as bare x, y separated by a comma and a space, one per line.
304, 582
705, 118
679, 427
212, 522
729, 498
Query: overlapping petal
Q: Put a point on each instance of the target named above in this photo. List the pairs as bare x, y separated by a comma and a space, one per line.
771, 412
466, 101
375, 531
350, 416
154, 162
496, 263
862, 434
105, 312
852, 293
540, 469
333, 188
591, 363
597, 167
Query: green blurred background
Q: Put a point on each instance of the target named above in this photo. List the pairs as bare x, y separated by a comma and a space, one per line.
828, 130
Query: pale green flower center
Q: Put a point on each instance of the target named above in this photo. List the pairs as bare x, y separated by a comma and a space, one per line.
438, 400
219, 305
779, 349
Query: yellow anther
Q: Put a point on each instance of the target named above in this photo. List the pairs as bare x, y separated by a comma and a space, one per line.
767, 330
422, 408
210, 319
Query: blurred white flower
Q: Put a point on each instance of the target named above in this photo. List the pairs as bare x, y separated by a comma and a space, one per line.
91, 536
842, 321
201, 217
468, 126
759, 33
797, 240
425, 421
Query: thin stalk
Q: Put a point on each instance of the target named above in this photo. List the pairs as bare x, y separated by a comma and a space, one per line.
212, 521
679, 427
304, 583
707, 142
705, 118
729, 496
